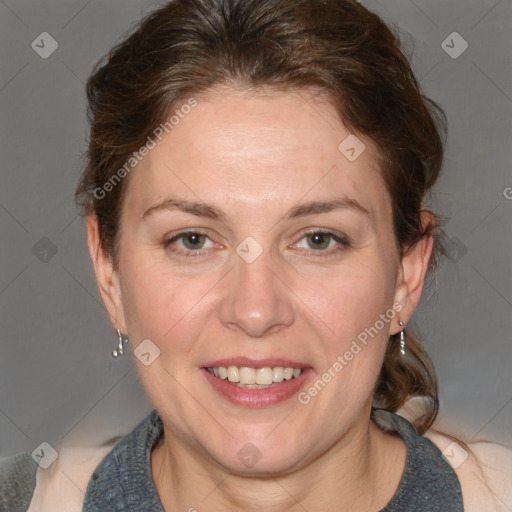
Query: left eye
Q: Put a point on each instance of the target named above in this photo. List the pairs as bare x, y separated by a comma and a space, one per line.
194, 240
188, 241
320, 241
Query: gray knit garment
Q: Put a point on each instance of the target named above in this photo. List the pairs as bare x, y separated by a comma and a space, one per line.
17, 482
123, 480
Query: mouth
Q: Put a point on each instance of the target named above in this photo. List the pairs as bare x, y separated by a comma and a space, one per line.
255, 378
256, 384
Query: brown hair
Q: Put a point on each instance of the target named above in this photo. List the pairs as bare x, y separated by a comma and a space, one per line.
189, 46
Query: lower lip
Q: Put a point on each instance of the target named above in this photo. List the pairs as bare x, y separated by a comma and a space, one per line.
257, 398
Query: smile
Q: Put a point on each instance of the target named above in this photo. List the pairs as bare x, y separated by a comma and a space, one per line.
255, 378
256, 384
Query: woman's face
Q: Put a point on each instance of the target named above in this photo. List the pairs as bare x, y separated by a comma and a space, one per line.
289, 262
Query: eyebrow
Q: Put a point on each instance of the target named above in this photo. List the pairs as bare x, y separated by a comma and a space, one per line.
194, 208
302, 210
315, 207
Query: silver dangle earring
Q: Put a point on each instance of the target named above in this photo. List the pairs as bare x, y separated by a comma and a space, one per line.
123, 340
402, 338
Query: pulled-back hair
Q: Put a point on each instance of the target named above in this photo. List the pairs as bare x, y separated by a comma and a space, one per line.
338, 46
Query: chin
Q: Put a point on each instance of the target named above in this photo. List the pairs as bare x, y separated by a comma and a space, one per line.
273, 454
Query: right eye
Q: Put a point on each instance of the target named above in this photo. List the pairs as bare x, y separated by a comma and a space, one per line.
188, 243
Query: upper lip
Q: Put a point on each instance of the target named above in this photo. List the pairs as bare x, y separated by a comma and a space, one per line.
255, 363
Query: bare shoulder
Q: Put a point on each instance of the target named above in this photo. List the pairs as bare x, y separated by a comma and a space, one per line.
62, 486
484, 470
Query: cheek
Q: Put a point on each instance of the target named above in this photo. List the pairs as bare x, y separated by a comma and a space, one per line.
163, 306
353, 298
356, 306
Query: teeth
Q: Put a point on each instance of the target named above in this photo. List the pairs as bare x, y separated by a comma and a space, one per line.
278, 374
248, 376
264, 376
254, 378
233, 374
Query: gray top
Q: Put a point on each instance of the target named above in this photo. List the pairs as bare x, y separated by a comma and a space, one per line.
17, 482
123, 480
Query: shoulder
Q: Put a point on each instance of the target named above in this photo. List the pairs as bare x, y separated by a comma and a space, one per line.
61, 487
81, 474
17, 481
123, 479
428, 483
484, 471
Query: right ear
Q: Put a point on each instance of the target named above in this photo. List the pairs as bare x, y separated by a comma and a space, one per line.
106, 275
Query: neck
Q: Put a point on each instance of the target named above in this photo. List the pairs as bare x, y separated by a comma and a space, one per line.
360, 472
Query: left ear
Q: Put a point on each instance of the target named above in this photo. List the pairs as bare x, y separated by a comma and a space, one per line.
412, 272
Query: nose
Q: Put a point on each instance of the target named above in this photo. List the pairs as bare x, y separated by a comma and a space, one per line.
257, 301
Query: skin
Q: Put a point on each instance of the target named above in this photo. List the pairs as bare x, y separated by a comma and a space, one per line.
255, 156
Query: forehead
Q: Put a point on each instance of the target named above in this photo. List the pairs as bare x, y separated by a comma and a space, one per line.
252, 148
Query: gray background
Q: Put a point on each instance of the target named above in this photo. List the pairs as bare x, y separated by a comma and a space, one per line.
58, 382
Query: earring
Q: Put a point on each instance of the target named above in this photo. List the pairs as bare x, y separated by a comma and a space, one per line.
123, 339
402, 338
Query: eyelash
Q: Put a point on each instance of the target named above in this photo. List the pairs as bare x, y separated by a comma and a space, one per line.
342, 240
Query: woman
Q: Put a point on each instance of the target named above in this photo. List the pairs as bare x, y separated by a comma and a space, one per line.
255, 217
